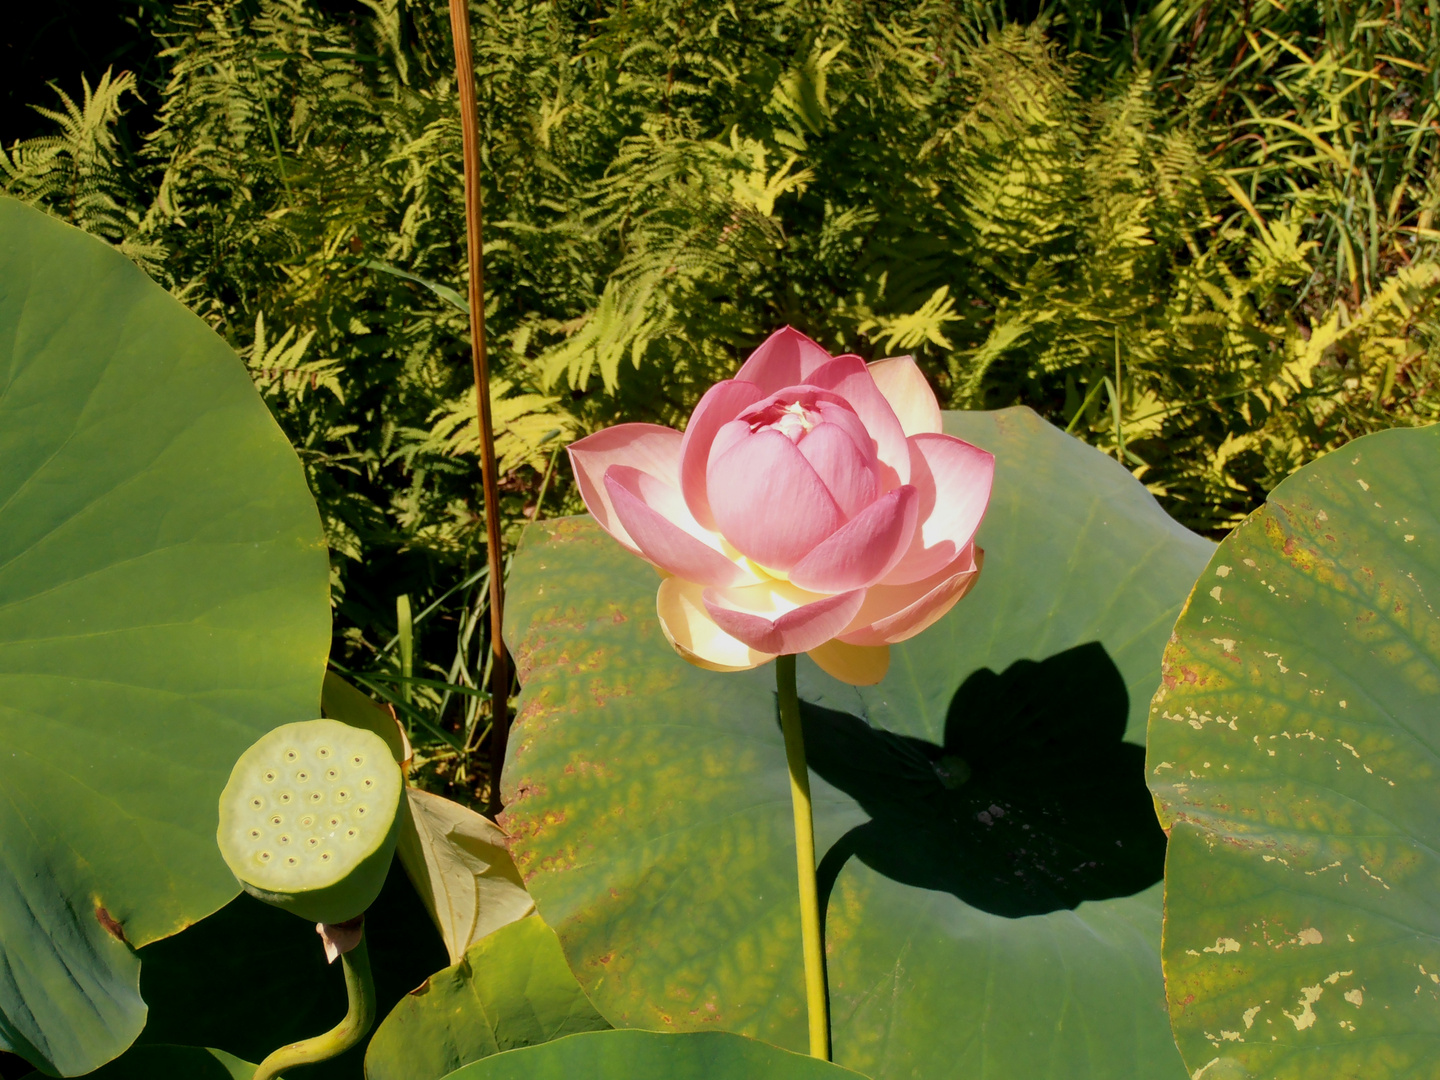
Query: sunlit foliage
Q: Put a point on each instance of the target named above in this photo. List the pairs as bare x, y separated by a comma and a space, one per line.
1202, 239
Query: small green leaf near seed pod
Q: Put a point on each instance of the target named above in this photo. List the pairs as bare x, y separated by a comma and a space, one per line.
309, 819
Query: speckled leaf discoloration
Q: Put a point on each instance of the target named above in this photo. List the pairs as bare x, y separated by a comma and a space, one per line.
650, 807
1295, 757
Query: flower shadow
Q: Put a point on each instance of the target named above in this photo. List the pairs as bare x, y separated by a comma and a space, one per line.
1032, 805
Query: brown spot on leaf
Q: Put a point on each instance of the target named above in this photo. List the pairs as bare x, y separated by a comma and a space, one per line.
601, 693
559, 862
705, 1014
524, 655
113, 928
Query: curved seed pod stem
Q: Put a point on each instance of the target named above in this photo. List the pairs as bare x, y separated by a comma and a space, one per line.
360, 989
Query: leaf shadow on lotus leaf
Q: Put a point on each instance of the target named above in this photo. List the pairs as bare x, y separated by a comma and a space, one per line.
1033, 804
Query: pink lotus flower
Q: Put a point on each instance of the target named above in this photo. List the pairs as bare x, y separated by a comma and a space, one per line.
811, 505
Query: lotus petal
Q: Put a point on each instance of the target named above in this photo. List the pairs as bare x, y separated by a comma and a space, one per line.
768, 502
777, 617
693, 634
858, 665
650, 448
908, 392
954, 480
848, 377
722, 403
865, 549
893, 613
785, 358
851, 477
658, 521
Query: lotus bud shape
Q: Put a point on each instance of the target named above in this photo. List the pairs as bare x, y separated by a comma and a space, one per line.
811, 505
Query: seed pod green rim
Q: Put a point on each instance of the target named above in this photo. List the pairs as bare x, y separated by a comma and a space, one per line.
310, 816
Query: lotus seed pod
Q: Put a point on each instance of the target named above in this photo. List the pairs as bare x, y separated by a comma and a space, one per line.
309, 819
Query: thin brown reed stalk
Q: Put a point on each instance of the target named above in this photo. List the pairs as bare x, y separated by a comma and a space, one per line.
474, 222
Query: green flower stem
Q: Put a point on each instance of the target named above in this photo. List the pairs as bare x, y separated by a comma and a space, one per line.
360, 989
816, 998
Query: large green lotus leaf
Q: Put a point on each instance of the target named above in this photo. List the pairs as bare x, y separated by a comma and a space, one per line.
163, 602
651, 1055
1295, 756
511, 989
990, 855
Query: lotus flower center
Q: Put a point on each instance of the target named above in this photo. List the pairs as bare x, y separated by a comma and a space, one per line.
794, 421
